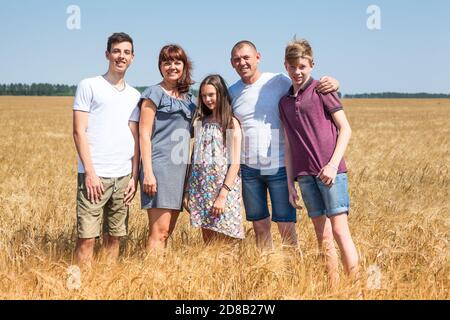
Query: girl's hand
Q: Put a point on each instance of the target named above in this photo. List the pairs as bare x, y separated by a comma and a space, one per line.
328, 175
149, 184
218, 206
186, 201
293, 197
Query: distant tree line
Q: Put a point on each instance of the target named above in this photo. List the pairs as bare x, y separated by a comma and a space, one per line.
36, 89
396, 95
47, 89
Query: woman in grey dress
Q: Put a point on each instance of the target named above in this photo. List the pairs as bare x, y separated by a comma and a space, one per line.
164, 129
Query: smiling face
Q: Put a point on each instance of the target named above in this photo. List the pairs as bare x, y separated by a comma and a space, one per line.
299, 71
245, 60
209, 96
120, 56
172, 70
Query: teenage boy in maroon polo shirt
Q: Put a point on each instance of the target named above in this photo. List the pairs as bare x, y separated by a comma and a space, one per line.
317, 132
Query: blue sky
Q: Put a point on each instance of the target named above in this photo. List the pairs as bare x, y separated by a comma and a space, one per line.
411, 52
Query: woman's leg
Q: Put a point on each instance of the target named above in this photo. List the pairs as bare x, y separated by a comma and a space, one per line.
161, 223
325, 239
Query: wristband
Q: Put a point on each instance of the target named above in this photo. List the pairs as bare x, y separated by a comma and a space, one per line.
333, 166
226, 187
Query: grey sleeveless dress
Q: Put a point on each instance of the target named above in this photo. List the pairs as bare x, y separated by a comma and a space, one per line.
170, 148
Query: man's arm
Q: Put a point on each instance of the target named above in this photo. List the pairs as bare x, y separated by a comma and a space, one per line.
327, 84
132, 185
93, 183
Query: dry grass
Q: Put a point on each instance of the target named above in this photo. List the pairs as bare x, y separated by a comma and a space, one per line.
399, 187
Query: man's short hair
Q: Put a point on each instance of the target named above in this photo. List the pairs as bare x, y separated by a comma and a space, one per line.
119, 37
242, 43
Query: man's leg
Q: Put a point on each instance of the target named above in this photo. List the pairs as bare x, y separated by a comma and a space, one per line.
263, 234
283, 213
89, 218
254, 195
84, 252
115, 224
288, 233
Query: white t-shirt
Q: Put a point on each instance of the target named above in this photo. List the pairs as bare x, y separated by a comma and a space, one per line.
111, 142
256, 107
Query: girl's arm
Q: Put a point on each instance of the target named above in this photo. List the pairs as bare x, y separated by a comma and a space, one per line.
233, 169
293, 196
146, 120
329, 172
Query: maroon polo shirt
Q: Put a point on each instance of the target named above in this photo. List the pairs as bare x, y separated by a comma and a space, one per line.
311, 131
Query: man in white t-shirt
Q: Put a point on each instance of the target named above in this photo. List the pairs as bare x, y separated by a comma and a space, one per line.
105, 131
255, 101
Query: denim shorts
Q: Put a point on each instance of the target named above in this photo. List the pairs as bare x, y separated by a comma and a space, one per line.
321, 200
255, 184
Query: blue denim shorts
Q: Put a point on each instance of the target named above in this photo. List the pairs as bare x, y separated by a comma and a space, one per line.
255, 184
322, 200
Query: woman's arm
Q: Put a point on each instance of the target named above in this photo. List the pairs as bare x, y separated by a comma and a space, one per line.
146, 121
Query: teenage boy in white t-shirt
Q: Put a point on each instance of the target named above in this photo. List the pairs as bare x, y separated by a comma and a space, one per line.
105, 131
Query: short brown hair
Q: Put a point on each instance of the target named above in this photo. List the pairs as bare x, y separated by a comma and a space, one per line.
119, 37
297, 49
173, 52
242, 43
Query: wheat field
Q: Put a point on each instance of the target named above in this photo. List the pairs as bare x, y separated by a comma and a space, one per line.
399, 175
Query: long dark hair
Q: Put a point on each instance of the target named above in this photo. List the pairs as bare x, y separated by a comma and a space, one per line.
223, 104
173, 52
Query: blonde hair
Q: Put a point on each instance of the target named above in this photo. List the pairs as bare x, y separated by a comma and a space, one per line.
297, 49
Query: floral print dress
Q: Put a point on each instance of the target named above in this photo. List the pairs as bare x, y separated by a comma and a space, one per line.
209, 168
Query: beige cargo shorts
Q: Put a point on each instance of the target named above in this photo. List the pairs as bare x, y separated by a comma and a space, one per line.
110, 212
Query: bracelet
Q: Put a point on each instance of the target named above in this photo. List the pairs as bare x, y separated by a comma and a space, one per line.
333, 166
226, 187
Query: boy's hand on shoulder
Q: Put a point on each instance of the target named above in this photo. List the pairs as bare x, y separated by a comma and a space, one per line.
327, 84
328, 175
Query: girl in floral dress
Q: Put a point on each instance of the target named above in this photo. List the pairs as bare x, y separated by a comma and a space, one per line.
213, 188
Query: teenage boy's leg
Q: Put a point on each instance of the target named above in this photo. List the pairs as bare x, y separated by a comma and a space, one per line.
283, 213
116, 212
337, 204
341, 232
314, 203
89, 219
325, 240
254, 194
